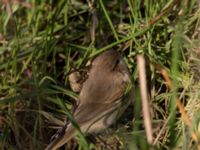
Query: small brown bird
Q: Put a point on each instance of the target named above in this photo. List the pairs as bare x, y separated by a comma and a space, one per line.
101, 99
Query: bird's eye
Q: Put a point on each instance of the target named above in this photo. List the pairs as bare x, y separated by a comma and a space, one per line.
116, 64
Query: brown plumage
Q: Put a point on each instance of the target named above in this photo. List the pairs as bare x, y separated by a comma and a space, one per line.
101, 100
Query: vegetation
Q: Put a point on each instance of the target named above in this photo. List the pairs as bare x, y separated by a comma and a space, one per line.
41, 42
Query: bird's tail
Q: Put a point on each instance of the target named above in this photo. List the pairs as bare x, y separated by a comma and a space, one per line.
61, 139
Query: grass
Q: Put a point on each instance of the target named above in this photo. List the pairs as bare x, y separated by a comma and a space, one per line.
42, 41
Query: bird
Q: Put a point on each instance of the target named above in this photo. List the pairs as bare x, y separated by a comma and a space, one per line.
102, 99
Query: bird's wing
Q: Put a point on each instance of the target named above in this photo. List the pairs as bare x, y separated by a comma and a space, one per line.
95, 111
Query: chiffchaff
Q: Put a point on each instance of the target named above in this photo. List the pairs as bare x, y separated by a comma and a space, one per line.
101, 100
